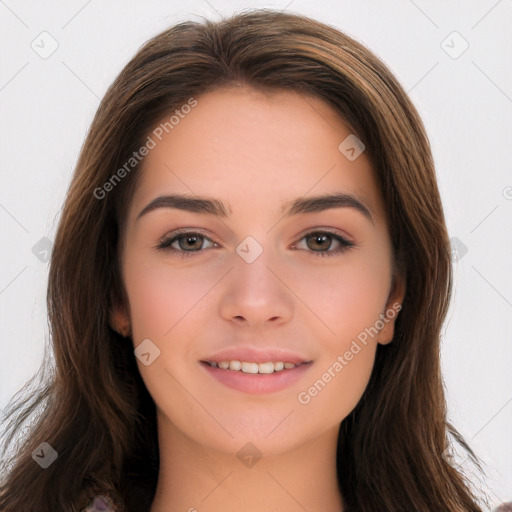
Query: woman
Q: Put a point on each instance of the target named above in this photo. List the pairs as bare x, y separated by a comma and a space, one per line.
208, 354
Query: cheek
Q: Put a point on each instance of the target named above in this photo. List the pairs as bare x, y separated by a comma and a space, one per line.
160, 296
360, 297
347, 298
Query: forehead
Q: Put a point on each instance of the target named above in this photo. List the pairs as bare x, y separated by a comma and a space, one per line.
246, 146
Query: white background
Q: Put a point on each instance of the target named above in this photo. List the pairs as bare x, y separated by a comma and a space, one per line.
47, 105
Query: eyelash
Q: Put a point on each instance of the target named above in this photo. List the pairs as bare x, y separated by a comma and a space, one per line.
166, 242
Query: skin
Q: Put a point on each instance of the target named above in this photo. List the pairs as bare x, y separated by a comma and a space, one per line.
254, 151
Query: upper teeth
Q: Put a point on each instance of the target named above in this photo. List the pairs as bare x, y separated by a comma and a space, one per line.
253, 367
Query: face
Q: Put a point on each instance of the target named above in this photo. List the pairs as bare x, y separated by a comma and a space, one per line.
255, 277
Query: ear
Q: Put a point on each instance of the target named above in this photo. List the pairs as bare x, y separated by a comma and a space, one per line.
392, 309
119, 321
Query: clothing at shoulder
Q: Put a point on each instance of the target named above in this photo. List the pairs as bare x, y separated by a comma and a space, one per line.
100, 504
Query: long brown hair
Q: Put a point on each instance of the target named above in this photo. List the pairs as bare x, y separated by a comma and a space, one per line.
92, 407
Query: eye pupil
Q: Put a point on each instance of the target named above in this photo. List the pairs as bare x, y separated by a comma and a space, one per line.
319, 238
188, 244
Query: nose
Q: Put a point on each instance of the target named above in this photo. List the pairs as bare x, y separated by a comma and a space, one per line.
256, 293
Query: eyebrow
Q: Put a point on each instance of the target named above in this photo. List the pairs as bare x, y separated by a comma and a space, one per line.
210, 206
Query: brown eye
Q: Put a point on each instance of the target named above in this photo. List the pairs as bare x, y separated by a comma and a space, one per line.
319, 242
189, 242
185, 243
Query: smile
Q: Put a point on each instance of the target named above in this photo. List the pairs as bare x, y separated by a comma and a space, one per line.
246, 367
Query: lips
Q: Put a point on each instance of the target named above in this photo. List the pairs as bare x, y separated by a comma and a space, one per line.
256, 371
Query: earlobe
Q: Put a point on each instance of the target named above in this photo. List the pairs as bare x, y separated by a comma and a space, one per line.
120, 322
391, 311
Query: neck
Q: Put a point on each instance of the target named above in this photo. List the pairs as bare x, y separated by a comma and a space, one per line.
197, 478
